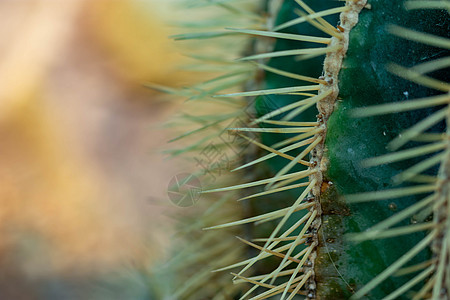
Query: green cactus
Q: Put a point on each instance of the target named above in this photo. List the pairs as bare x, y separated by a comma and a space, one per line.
336, 113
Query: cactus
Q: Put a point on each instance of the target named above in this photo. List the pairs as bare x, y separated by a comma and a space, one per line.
339, 110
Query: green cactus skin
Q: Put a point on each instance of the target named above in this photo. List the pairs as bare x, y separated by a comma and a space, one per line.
353, 167
364, 81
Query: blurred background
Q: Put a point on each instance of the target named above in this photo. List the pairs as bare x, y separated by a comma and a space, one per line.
83, 184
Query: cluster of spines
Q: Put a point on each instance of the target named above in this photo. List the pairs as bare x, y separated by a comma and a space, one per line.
311, 134
203, 120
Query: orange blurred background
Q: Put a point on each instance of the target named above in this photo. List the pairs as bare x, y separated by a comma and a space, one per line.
82, 183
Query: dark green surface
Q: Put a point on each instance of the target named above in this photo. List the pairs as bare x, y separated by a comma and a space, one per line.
364, 81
